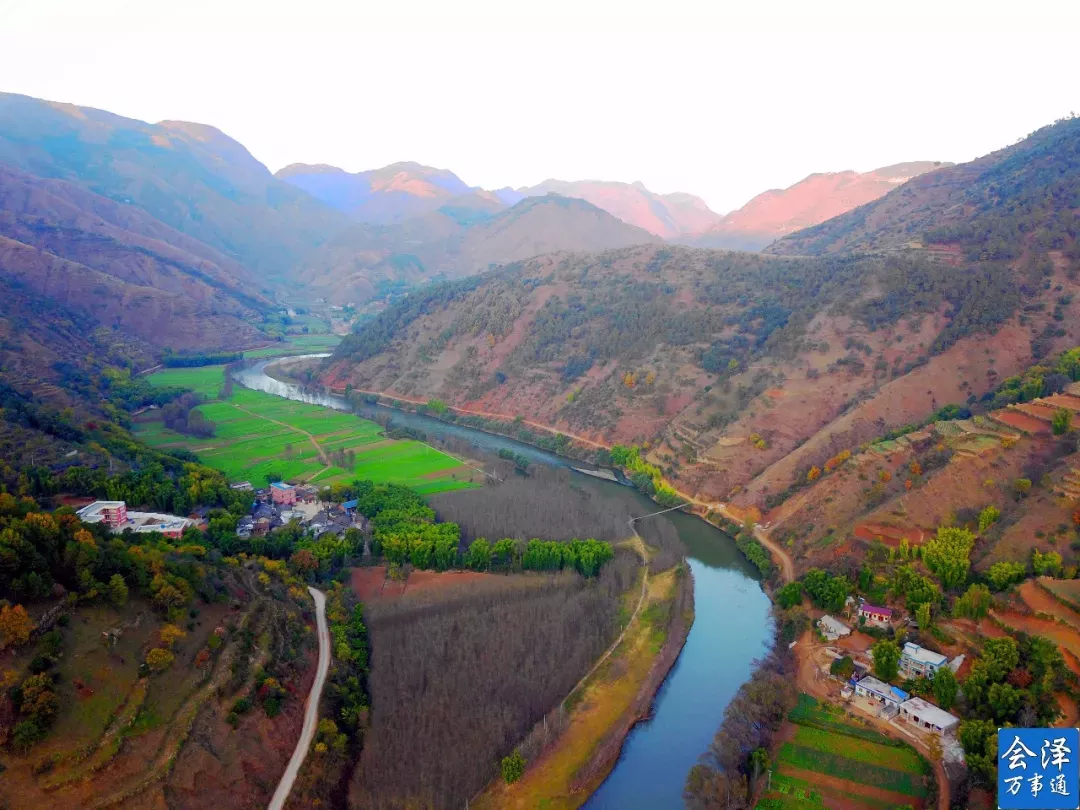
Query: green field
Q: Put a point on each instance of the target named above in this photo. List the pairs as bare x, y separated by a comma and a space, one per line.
205, 380
827, 742
258, 434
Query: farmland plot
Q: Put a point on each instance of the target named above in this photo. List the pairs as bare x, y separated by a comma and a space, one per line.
829, 760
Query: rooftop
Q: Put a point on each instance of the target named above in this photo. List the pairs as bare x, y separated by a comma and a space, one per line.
929, 713
872, 684
884, 611
923, 655
282, 485
833, 625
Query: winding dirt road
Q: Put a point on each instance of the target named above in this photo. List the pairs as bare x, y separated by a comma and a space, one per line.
311, 713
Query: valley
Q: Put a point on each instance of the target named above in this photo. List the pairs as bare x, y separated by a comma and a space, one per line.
379, 490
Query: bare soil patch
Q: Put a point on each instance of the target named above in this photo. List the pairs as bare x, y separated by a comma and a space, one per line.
833, 790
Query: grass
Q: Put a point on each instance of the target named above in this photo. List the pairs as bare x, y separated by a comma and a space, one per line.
258, 434
808, 712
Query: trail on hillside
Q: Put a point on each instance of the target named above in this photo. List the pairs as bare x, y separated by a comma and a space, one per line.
311, 712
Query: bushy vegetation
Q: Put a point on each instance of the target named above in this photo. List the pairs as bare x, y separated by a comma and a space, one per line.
196, 359
646, 477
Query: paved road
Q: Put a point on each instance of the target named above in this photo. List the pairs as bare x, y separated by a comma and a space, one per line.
311, 713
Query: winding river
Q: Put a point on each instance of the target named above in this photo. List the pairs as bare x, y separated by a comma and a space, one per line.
731, 628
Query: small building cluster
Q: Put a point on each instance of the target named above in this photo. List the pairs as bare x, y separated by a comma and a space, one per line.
282, 504
897, 704
116, 516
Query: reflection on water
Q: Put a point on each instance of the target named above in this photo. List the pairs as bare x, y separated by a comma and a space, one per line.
731, 628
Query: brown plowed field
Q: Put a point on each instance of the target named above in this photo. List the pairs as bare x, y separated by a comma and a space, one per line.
372, 584
835, 791
1021, 421
1064, 401
890, 535
1065, 637
1041, 602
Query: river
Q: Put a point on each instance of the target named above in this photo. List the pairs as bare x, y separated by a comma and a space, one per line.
731, 628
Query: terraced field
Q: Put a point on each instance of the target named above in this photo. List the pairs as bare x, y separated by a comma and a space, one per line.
828, 760
257, 435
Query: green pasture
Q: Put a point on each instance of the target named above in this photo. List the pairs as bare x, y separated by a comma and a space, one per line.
205, 380
258, 434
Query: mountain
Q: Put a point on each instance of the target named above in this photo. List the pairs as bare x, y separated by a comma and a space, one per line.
188, 176
383, 196
456, 240
665, 215
988, 209
778, 212
780, 383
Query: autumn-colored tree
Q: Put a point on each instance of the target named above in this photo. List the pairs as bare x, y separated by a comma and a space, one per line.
629, 379
650, 378
915, 468
909, 484
159, 659
202, 658
1076, 517
303, 561
170, 634
39, 702
16, 625
814, 474
885, 476
491, 340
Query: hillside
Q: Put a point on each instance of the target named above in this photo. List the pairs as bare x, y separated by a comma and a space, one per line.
819, 197
992, 208
740, 373
665, 215
366, 260
191, 177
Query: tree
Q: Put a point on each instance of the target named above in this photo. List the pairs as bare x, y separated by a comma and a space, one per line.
790, 595
303, 562
759, 762
1048, 564
886, 659
159, 659
16, 625
842, 668
1061, 421
1004, 574
947, 555
513, 766
1000, 657
1022, 486
922, 616
988, 517
117, 590
974, 604
813, 475
945, 687
170, 634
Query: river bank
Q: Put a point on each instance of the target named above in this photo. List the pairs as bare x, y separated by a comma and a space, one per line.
601, 712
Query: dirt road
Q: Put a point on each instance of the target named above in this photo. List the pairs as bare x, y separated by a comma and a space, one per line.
311, 713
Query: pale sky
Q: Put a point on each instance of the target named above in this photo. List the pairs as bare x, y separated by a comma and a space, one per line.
719, 99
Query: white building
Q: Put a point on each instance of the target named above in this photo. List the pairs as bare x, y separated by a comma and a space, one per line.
880, 692
927, 716
832, 628
918, 661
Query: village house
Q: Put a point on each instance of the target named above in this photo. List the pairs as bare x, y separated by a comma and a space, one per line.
242, 486
928, 717
872, 614
880, 692
111, 513
832, 628
283, 494
918, 661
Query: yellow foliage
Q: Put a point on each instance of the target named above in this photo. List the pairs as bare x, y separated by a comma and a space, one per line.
320, 748
264, 578
491, 340
170, 634
159, 659
650, 378
16, 625
814, 474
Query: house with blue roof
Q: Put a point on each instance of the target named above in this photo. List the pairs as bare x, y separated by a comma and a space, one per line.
880, 692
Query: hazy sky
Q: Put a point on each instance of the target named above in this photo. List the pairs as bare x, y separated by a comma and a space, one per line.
720, 99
